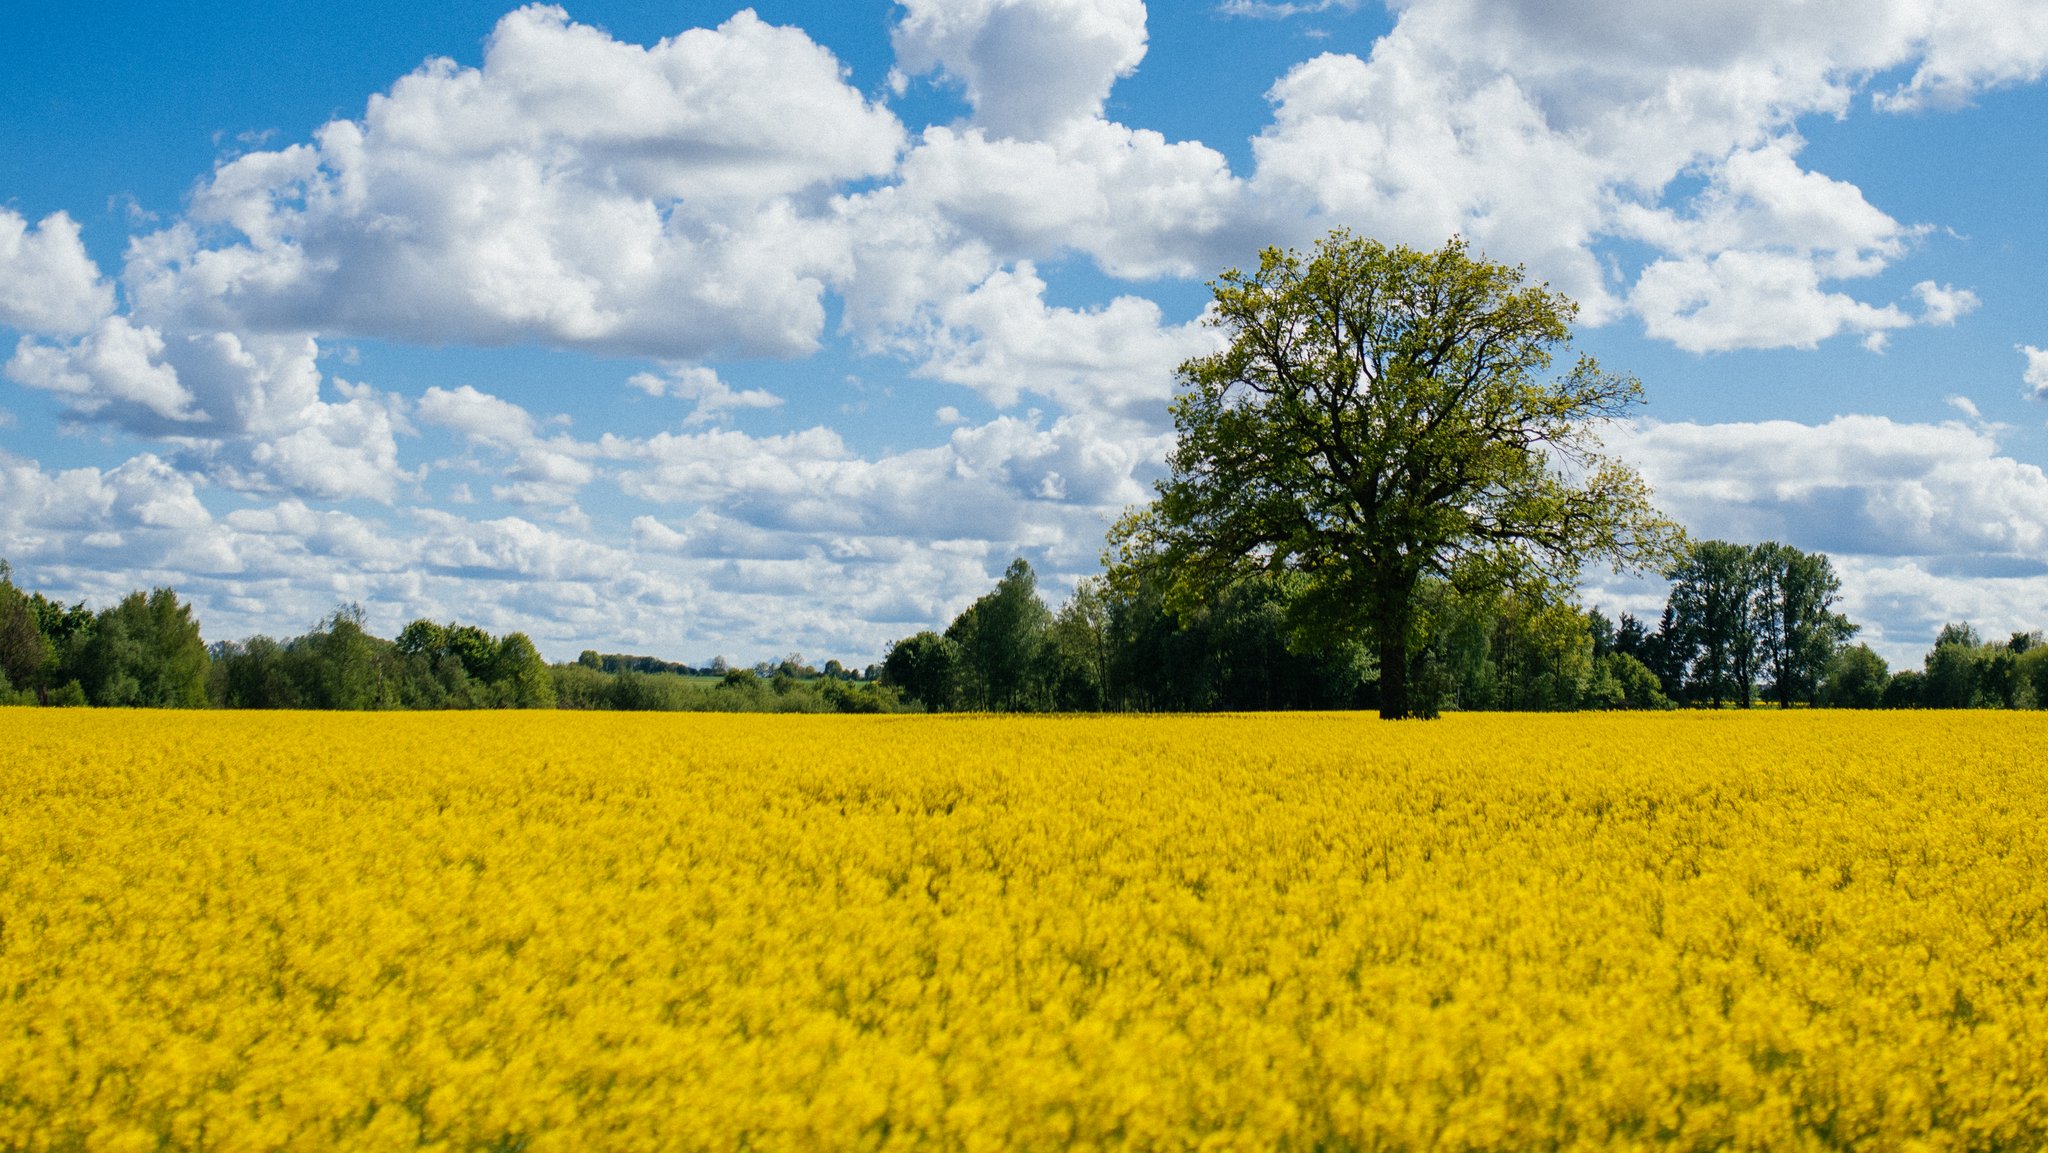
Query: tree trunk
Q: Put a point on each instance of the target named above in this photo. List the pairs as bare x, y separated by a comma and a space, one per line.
1393, 590
1394, 699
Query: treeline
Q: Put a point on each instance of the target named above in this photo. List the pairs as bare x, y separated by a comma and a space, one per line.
1742, 625
146, 651
1121, 647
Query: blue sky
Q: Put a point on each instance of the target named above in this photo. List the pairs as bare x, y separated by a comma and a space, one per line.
678, 329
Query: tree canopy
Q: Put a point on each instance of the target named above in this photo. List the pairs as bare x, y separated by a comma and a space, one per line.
1381, 416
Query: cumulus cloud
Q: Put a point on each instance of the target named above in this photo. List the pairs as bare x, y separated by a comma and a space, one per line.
48, 285
1752, 300
1544, 132
247, 409
535, 471
1003, 340
117, 366
1969, 48
713, 399
2036, 376
1028, 66
1944, 304
574, 190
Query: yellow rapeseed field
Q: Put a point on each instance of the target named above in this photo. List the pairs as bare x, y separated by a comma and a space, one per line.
587, 932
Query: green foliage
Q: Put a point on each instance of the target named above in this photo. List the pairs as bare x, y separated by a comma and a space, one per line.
23, 649
1906, 689
1856, 679
1074, 660
1240, 653
145, 652
1952, 669
925, 668
1965, 671
1000, 638
1382, 416
2033, 671
1494, 649
1739, 615
1621, 681
520, 675
1797, 631
579, 686
1713, 621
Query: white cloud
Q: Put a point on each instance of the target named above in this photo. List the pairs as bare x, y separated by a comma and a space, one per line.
1751, 300
1028, 66
247, 409
1943, 304
1543, 132
2037, 371
117, 366
713, 398
1002, 340
1138, 205
1970, 47
574, 190
536, 472
1281, 9
48, 285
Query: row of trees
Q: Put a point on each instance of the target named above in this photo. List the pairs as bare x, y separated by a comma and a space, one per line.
1741, 623
1120, 646
143, 651
340, 665
147, 651
1117, 649
1962, 671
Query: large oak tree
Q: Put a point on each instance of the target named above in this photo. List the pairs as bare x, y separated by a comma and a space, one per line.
1383, 416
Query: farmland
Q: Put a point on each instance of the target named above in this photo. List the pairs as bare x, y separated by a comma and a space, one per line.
569, 931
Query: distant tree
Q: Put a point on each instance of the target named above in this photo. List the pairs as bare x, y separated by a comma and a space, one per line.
520, 676
1620, 681
1952, 668
1856, 678
422, 638
341, 666
1667, 653
1382, 416
1632, 639
2033, 671
1712, 622
925, 666
1906, 690
23, 649
146, 652
1602, 631
255, 674
1797, 630
1000, 636
1075, 656
475, 648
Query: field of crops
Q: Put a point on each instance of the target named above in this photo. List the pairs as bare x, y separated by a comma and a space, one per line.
549, 931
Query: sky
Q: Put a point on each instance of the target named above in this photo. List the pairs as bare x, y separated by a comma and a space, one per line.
689, 330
